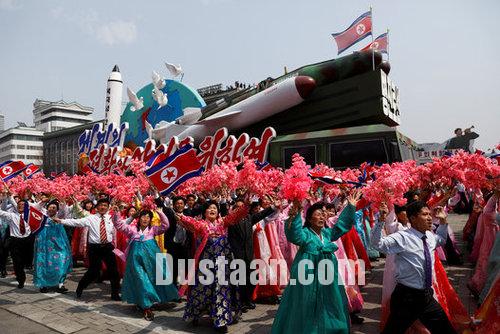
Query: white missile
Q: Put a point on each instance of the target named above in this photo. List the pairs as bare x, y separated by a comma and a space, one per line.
262, 105
114, 91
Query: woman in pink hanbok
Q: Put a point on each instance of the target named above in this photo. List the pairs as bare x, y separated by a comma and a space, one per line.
288, 249
354, 297
267, 248
489, 230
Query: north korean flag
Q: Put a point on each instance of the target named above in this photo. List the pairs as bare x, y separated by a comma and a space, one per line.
34, 217
326, 179
359, 29
10, 169
171, 172
379, 44
31, 170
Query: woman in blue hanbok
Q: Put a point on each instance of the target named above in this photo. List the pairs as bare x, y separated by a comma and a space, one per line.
139, 285
52, 254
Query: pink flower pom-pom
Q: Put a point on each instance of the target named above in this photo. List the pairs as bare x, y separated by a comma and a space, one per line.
296, 181
148, 203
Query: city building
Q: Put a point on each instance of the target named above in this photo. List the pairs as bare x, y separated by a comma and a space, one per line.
53, 116
2, 122
26, 142
60, 149
22, 143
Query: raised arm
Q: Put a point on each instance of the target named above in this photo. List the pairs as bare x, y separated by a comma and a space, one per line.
442, 230
257, 217
235, 216
9, 200
192, 224
344, 223
82, 222
387, 245
164, 224
294, 231
8, 217
123, 225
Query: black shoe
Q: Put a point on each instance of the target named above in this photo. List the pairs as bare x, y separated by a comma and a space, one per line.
355, 319
61, 289
149, 315
244, 309
222, 329
44, 290
20, 285
79, 293
251, 306
3, 274
116, 297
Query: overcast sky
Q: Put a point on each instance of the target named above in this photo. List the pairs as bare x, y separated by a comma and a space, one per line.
445, 55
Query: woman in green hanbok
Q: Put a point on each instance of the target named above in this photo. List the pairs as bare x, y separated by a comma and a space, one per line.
320, 306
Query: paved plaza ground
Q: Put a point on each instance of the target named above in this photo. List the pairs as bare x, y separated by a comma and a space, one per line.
29, 311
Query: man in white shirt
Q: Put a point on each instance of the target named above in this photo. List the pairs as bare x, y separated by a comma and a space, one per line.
100, 238
413, 298
19, 241
7, 203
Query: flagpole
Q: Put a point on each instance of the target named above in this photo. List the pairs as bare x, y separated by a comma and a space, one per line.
387, 44
373, 51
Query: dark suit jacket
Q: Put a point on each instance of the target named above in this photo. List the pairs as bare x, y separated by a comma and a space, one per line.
240, 235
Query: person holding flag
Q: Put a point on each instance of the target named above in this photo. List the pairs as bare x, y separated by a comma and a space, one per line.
52, 253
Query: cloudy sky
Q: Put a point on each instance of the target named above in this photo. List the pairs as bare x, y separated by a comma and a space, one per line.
444, 54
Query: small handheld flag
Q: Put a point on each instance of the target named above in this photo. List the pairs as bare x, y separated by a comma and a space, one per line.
34, 217
31, 170
171, 172
11, 170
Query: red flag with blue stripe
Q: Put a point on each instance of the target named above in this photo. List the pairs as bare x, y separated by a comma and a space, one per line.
31, 170
379, 44
34, 217
358, 30
11, 169
172, 171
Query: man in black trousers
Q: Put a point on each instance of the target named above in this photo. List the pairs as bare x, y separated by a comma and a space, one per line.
413, 298
240, 237
101, 231
19, 241
177, 240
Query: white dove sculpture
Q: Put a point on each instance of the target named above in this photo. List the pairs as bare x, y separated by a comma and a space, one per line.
158, 81
149, 130
175, 70
138, 103
160, 97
